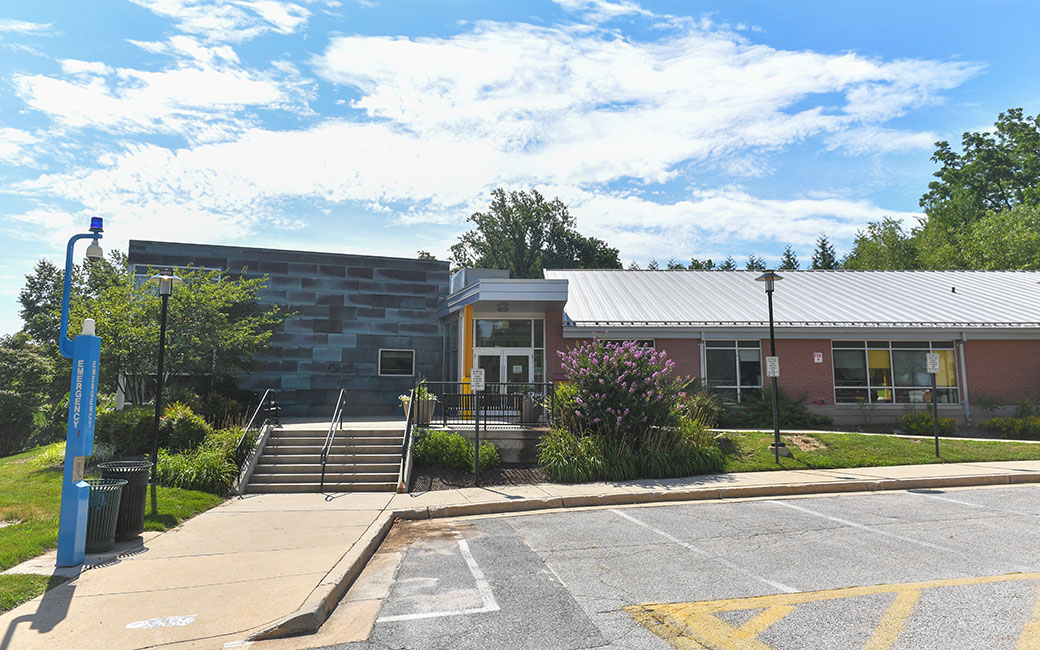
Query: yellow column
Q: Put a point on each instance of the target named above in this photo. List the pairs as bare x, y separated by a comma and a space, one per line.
467, 341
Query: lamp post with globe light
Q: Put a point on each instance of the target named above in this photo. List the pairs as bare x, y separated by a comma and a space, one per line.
165, 280
779, 449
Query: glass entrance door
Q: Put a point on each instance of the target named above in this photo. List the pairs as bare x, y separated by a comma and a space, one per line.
492, 366
518, 368
505, 366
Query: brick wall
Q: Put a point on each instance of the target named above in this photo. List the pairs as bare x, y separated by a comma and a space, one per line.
685, 353
1008, 369
799, 373
347, 308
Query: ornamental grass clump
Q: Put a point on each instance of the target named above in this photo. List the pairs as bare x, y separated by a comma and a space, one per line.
622, 390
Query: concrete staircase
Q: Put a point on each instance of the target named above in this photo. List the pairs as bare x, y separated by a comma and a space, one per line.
361, 460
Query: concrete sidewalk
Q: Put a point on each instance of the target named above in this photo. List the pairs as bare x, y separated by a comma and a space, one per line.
276, 564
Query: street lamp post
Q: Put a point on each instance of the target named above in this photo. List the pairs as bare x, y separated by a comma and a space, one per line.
165, 280
773, 366
85, 352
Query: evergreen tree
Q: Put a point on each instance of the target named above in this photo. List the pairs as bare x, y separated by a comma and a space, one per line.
824, 256
755, 263
789, 261
675, 265
701, 265
652, 265
729, 265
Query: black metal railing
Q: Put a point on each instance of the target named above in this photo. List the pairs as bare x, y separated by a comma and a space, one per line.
501, 405
267, 411
335, 426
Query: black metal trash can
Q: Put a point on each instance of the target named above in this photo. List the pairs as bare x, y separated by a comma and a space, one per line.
135, 494
102, 513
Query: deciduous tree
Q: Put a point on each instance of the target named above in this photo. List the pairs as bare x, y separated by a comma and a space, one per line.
524, 233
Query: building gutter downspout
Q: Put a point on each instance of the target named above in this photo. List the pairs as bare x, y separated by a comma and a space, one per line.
964, 379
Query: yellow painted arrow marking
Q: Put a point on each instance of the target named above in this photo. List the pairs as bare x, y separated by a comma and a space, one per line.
694, 626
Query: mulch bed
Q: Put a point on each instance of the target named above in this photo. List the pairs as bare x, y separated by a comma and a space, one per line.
427, 479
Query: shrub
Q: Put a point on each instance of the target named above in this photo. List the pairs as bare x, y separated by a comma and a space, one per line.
452, 450
1027, 428
205, 469
16, 421
569, 458
705, 407
182, 427
489, 456
754, 412
686, 450
622, 389
922, 424
210, 467
442, 449
128, 432
1025, 409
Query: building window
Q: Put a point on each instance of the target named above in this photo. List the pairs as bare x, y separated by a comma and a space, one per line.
514, 333
734, 368
892, 372
397, 363
451, 350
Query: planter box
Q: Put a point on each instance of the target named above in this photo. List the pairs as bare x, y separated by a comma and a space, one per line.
423, 413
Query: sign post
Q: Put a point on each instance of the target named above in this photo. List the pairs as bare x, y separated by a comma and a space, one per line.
476, 384
933, 370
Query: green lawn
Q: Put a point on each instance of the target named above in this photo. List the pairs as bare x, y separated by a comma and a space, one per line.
30, 494
749, 452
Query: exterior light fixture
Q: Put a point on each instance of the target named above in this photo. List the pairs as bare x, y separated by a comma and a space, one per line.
165, 279
770, 278
502, 306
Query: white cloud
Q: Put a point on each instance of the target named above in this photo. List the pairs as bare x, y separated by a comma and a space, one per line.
76, 67
23, 26
874, 139
603, 10
231, 20
200, 97
14, 145
592, 107
717, 219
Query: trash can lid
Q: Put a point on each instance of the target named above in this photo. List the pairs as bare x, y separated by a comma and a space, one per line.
105, 484
124, 465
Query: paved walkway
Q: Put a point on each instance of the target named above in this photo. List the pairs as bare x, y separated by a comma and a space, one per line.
267, 565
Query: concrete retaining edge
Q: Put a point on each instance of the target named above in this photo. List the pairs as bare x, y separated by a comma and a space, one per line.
324, 598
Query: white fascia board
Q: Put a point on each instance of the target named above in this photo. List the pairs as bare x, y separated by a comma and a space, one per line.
502, 290
859, 333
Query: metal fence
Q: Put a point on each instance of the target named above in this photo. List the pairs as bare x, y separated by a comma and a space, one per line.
499, 405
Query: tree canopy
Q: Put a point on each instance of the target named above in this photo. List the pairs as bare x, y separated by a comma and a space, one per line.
215, 324
524, 233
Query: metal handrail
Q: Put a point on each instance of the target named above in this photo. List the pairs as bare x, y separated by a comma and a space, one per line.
252, 421
404, 475
334, 426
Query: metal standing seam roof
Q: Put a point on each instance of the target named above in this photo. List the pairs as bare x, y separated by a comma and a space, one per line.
1008, 299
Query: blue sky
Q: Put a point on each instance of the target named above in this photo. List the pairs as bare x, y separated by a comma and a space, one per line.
671, 129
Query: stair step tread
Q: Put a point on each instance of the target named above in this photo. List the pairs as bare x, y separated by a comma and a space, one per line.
381, 486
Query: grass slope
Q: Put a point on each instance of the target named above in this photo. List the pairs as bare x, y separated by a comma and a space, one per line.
749, 452
30, 494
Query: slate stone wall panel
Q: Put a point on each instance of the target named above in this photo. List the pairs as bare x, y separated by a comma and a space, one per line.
347, 308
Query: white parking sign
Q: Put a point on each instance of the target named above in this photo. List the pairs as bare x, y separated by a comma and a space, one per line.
476, 380
772, 366
933, 362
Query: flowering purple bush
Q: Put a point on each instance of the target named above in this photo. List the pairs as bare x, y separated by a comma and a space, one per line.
622, 389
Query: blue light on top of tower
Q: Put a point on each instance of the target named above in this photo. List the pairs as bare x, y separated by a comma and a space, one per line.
96, 224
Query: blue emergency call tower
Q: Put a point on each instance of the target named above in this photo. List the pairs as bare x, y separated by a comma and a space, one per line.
85, 352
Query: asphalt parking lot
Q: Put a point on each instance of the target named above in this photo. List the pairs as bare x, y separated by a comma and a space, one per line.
920, 569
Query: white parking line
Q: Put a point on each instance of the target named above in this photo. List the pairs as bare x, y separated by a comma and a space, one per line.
870, 529
974, 505
490, 604
724, 562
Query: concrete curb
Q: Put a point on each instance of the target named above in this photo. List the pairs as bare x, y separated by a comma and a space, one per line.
324, 598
